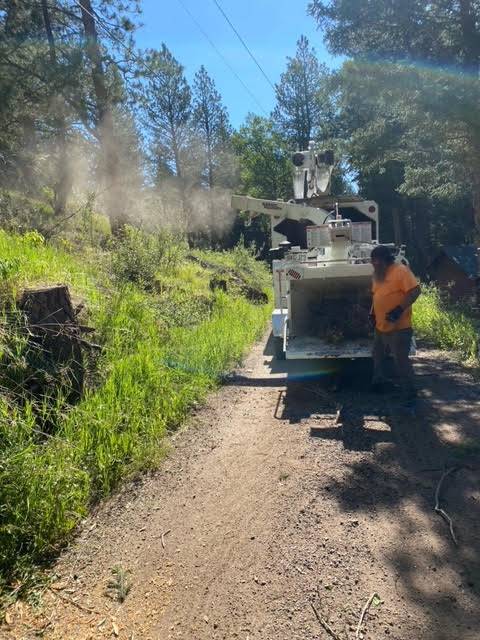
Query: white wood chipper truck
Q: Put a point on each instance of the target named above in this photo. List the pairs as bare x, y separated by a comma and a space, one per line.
321, 263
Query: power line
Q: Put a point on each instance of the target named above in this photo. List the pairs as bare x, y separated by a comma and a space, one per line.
215, 48
101, 22
244, 44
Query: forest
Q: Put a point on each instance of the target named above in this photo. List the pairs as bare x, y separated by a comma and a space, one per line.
96, 134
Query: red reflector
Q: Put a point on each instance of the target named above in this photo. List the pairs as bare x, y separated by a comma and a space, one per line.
372, 209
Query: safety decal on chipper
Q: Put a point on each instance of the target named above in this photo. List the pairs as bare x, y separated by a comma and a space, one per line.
291, 273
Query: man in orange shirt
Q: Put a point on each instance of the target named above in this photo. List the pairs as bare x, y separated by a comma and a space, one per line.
394, 289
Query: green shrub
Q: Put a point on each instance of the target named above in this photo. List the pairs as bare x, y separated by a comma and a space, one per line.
444, 325
20, 213
138, 256
8, 268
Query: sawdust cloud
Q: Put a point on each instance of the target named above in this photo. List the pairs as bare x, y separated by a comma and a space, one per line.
129, 193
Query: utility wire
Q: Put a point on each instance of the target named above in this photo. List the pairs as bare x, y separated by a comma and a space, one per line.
219, 53
101, 22
244, 44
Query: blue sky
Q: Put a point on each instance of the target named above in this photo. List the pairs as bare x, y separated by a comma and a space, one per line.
269, 27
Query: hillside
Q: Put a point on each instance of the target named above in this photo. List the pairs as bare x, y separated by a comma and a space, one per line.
170, 324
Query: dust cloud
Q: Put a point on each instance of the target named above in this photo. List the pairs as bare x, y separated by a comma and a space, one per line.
122, 189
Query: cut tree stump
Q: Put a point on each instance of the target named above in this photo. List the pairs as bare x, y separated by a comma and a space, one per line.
53, 329
49, 306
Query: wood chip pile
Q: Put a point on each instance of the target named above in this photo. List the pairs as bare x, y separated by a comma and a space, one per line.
337, 320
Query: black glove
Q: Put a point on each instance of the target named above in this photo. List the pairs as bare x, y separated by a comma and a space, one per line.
394, 314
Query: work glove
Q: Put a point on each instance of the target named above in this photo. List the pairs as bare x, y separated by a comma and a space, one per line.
394, 314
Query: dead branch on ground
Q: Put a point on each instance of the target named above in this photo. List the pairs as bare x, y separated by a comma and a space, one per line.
437, 507
324, 623
365, 609
163, 537
73, 602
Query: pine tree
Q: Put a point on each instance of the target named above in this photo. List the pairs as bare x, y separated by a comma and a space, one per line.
423, 117
60, 81
166, 101
440, 31
304, 108
210, 119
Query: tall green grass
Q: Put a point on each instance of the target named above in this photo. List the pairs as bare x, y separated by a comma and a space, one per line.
164, 349
444, 325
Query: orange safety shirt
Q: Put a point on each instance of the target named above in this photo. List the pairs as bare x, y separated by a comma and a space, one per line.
390, 293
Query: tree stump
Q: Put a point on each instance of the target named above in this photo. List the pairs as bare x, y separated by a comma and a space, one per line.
48, 307
55, 334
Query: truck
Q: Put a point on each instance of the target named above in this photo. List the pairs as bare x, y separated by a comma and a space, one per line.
321, 246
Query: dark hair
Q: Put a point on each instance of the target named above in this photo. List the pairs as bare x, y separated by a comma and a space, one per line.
383, 253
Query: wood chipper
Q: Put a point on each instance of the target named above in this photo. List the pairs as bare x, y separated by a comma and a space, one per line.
321, 263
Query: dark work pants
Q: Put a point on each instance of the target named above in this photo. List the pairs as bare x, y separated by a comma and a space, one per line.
396, 343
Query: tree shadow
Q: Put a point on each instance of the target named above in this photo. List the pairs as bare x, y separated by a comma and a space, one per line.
409, 455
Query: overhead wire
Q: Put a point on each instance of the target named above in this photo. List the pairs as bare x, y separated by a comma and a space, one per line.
95, 14
219, 53
244, 44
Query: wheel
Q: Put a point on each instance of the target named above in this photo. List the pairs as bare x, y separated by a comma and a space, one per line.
278, 347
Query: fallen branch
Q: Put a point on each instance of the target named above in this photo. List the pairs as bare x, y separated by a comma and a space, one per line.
163, 537
437, 507
365, 609
321, 394
72, 602
280, 395
324, 624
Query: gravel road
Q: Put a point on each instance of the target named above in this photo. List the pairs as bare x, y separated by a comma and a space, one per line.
269, 503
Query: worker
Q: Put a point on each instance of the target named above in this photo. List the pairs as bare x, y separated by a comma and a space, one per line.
394, 289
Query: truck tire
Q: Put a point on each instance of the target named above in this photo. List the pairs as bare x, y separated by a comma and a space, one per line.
278, 348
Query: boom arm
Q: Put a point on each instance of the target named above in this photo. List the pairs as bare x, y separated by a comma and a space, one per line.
278, 209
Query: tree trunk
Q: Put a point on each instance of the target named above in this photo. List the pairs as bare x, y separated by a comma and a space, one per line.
63, 185
397, 226
209, 162
28, 151
421, 224
11, 17
470, 36
54, 330
104, 117
308, 122
476, 207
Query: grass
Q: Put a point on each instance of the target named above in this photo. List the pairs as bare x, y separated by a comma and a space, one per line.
119, 585
165, 347
446, 326
167, 339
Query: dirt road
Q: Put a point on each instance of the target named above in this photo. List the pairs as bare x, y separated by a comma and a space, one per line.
266, 506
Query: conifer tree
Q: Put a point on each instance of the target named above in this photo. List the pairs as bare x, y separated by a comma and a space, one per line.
304, 109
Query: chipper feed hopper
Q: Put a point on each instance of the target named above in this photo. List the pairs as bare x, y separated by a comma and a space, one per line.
321, 264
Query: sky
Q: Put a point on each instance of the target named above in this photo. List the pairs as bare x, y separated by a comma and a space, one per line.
270, 28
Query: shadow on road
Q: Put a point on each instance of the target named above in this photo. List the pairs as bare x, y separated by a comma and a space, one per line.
409, 457
405, 458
